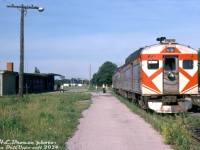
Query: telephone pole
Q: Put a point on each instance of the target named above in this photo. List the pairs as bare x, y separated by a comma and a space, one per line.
90, 74
21, 68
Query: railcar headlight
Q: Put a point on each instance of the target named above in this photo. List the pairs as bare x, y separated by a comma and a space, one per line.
171, 76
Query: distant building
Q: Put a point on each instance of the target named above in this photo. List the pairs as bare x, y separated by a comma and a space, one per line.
65, 84
73, 84
33, 82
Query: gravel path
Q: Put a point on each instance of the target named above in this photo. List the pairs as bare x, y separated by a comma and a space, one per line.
110, 125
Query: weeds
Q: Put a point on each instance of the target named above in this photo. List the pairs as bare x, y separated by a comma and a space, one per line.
175, 132
41, 117
173, 128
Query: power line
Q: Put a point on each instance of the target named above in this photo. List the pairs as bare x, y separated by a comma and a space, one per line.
7, 2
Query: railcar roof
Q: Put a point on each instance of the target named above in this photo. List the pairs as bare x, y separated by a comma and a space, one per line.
133, 56
137, 53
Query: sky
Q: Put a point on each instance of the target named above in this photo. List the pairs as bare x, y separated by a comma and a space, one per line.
71, 35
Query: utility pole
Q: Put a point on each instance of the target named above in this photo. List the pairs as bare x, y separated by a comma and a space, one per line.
21, 68
90, 75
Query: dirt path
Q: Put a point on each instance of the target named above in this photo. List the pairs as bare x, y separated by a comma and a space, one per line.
110, 125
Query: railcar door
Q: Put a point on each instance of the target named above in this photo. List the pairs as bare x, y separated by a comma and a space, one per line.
170, 75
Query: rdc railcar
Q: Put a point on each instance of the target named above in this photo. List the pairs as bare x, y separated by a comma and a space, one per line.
159, 77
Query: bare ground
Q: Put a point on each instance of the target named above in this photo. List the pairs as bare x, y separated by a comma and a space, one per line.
110, 125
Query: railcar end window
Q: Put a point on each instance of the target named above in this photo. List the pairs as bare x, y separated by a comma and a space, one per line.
187, 64
153, 64
170, 63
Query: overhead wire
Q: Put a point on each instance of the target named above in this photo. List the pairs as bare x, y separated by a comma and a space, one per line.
26, 1
6, 1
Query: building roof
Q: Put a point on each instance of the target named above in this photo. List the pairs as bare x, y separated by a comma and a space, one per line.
5, 71
31, 74
42, 74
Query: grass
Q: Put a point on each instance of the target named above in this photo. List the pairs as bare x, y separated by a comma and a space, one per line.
42, 117
75, 87
197, 103
173, 128
54, 117
89, 88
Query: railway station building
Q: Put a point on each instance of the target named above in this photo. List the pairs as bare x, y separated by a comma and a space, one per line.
33, 82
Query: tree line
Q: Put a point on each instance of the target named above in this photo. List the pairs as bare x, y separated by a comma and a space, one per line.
71, 81
104, 74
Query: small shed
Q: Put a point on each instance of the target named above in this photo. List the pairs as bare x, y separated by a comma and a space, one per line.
38, 82
33, 82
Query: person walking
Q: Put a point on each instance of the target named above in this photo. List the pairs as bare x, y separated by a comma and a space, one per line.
104, 88
96, 88
61, 88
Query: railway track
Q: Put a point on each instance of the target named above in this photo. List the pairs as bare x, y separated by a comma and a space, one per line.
195, 130
195, 110
195, 141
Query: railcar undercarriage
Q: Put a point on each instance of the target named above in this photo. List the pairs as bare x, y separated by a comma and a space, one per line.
159, 103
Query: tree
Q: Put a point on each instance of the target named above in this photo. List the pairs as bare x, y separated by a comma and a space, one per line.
37, 70
95, 79
86, 82
62, 79
104, 74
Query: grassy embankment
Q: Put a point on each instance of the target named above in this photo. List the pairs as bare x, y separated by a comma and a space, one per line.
173, 128
41, 117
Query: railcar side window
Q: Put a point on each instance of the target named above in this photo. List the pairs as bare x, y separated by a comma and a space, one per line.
170, 64
187, 64
153, 64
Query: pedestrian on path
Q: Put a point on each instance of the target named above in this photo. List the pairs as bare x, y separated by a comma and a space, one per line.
104, 88
61, 88
96, 88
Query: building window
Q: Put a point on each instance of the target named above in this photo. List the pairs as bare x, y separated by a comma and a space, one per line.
187, 64
153, 64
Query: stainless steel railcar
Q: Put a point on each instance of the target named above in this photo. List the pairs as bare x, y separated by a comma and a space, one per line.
159, 77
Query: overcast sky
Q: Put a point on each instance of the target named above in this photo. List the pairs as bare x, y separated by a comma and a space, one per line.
72, 34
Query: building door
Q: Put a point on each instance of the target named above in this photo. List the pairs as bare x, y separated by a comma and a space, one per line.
1, 94
170, 75
16, 84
